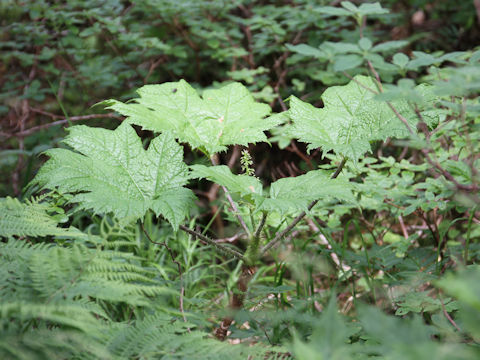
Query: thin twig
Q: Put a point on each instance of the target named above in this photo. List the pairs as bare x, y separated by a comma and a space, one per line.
323, 240
110, 40
400, 117
447, 315
209, 241
60, 122
281, 74
377, 77
426, 152
153, 66
447, 175
402, 225
279, 236
294, 149
212, 193
47, 113
235, 210
236, 302
25, 113
282, 103
182, 289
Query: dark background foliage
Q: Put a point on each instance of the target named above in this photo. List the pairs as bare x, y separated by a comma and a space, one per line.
393, 276
59, 58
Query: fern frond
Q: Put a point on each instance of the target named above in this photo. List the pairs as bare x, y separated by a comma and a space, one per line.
50, 344
30, 219
70, 315
54, 274
158, 337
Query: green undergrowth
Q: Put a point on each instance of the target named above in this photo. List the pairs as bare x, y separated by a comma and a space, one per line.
137, 240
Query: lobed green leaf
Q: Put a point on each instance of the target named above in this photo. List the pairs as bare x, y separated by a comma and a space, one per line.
110, 172
221, 174
221, 117
350, 119
296, 193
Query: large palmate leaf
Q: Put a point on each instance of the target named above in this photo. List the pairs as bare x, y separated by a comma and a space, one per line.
221, 174
350, 119
110, 172
287, 194
296, 193
219, 118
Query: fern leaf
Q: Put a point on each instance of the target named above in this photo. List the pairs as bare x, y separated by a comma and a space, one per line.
57, 274
158, 337
350, 119
70, 315
110, 172
30, 219
50, 344
222, 117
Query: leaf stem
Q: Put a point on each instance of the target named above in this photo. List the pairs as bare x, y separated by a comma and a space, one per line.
180, 274
261, 225
232, 204
209, 241
447, 315
279, 236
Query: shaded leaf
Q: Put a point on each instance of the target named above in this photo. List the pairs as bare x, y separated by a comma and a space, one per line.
334, 11
329, 340
390, 45
371, 9
346, 62
307, 50
400, 59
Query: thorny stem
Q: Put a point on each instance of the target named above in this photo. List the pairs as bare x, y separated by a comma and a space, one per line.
232, 204
209, 241
248, 271
260, 226
180, 274
295, 221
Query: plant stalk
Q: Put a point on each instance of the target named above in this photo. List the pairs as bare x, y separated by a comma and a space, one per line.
232, 203
279, 236
226, 250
